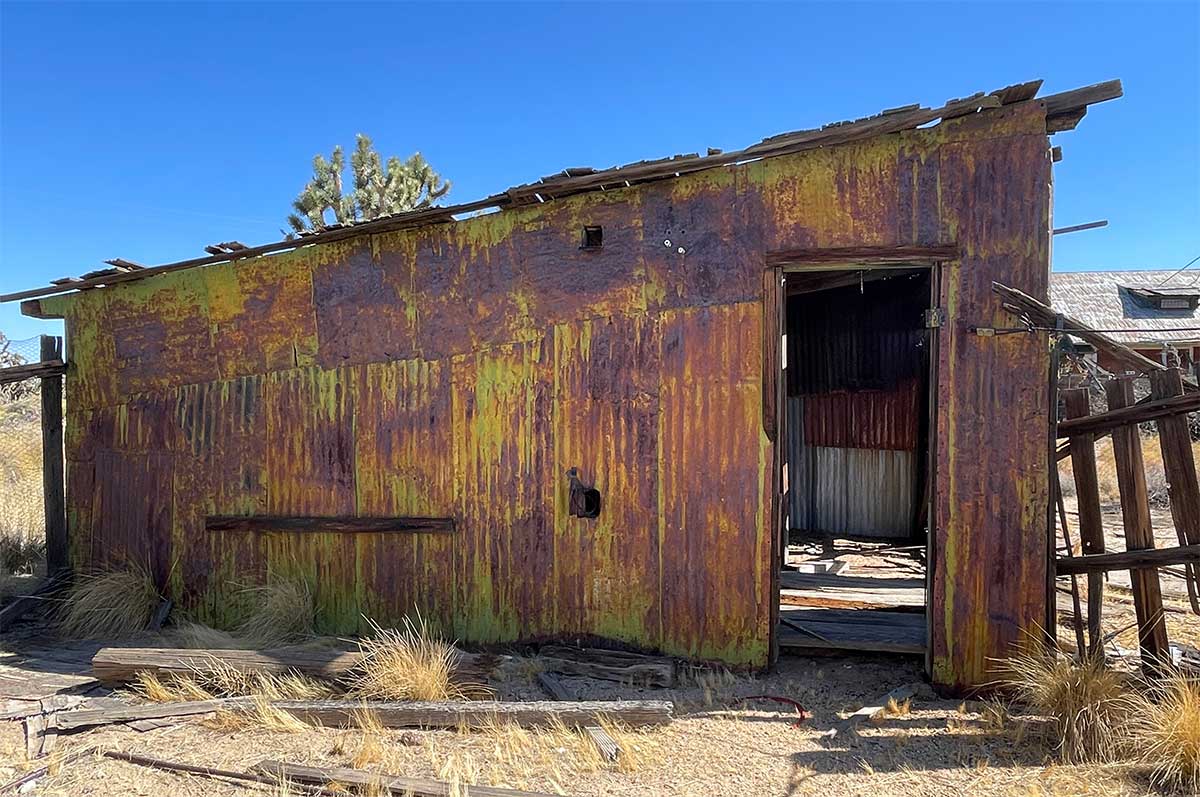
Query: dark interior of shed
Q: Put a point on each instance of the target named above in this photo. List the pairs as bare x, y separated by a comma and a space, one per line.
856, 370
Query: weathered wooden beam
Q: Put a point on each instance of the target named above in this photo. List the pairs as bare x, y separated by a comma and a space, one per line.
1129, 560
1091, 225
476, 713
1139, 533
192, 769
115, 715
1067, 101
1091, 522
118, 665
1159, 407
372, 782
609, 665
865, 255
604, 742
54, 500
1179, 464
320, 525
19, 373
1045, 316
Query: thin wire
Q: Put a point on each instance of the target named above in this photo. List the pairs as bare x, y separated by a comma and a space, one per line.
1090, 329
1180, 271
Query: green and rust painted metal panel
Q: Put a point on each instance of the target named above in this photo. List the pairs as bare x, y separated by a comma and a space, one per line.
459, 370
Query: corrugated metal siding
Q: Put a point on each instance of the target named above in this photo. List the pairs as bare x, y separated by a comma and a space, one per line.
847, 491
878, 419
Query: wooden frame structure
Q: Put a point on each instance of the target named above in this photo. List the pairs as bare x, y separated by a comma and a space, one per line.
49, 371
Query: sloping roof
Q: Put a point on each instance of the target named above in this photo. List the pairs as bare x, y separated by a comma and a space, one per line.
1063, 112
1110, 300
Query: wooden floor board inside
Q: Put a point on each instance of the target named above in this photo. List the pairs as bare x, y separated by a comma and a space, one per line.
822, 611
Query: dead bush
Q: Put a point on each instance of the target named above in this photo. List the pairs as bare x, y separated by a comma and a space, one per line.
109, 605
1086, 701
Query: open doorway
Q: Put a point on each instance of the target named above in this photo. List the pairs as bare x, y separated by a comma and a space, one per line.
857, 372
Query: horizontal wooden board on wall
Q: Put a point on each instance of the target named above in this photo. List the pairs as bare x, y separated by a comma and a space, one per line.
345, 525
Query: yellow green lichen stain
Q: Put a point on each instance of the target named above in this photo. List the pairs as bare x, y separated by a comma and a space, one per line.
498, 354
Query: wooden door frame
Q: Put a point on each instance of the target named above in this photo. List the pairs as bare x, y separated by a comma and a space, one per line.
778, 264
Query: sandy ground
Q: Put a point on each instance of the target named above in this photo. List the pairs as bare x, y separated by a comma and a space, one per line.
718, 745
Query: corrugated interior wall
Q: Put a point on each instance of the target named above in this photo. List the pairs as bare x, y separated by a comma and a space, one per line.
856, 397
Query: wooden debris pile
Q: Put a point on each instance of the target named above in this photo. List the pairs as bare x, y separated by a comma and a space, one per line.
46, 720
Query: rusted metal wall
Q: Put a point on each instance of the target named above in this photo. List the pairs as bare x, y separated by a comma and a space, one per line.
461, 369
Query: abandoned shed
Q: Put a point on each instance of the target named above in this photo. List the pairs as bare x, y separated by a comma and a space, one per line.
599, 410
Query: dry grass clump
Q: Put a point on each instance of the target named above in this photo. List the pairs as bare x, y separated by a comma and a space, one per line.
1164, 730
527, 757
284, 612
261, 716
407, 663
370, 738
194, 636
109, 605
1086, 700
217, 679
20, 552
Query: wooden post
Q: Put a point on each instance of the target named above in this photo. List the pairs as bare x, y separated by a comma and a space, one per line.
1080, 644
1180, 467
1087, 498
54, 498
1139, 533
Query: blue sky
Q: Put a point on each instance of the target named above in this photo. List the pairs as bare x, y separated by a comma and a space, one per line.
148, 131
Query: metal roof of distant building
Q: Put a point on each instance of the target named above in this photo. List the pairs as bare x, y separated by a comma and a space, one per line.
1102, 300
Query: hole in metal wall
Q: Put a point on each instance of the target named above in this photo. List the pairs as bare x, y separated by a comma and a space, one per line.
593, 237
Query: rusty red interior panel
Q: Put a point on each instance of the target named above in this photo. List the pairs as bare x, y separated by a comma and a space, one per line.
460, 370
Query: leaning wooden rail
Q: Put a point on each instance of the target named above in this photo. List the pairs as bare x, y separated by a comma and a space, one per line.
1044, 315
19, 373
1128, 560
1137, 413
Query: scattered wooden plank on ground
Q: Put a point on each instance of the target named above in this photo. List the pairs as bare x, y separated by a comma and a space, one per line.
609, 665
142, 726
118, 665
40, 772
607, 745
393, 784
114, 715
475, 713
192, 769
34, 727
1139, 533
